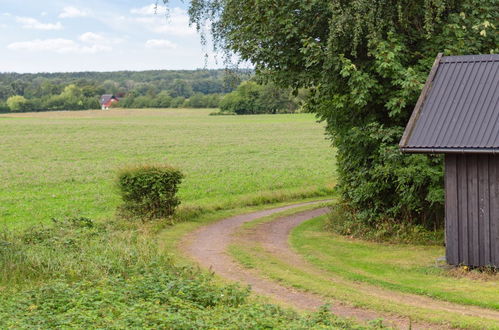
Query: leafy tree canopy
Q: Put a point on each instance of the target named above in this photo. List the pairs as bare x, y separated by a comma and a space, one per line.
253, 98
82, 90
365, 63
17, 103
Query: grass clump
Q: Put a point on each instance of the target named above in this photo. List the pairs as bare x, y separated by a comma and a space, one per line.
149, 191
73, 249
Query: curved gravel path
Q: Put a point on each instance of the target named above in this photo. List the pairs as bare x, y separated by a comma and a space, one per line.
208, 246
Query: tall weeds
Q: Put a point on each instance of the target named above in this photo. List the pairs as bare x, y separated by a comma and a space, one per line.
74, 250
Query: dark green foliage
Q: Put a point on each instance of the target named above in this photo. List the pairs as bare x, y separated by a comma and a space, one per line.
141, 102
90, 103
178, 102
164, 100
252, 98
172, 298
149, 191
181, 88
365, 63
391, 184
199, 100
71, 98
82, 90
344, 221
3, 107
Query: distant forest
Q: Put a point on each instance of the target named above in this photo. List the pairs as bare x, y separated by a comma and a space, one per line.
144, 89
234, 92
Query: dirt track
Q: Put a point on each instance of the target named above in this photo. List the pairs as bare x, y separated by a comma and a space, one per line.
208, 247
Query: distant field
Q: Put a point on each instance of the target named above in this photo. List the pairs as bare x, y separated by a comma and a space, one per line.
56, 164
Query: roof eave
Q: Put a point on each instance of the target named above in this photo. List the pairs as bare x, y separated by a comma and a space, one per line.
415, 150
419, 105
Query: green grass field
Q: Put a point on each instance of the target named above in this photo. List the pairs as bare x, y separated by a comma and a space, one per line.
57, 164
116, 273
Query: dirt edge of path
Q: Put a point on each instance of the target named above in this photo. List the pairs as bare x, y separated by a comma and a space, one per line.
208, 246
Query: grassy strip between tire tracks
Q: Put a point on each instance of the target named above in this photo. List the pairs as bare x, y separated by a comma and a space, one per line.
404, 268
171, 238
345, 287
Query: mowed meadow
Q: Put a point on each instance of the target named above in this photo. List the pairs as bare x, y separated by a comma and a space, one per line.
63, 164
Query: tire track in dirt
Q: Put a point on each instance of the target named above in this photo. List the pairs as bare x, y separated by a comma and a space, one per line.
208, 246
273, 236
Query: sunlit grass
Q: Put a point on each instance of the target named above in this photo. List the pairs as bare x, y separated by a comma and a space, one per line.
59, 164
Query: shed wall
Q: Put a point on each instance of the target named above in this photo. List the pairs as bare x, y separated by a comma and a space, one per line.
472, 209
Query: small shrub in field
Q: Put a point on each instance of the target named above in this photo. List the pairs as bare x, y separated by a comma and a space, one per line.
149, 191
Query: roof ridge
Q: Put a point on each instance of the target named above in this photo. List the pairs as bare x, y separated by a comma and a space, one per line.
470, 58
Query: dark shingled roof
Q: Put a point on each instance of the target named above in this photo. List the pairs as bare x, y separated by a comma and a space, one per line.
458, 110
105, 98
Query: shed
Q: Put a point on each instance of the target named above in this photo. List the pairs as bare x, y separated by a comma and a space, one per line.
107, 100
457, 115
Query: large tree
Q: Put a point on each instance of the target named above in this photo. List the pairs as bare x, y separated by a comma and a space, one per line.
365, 62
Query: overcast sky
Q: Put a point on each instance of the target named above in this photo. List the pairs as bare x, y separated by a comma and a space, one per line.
97, 35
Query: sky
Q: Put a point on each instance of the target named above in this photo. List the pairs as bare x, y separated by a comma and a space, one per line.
98, 35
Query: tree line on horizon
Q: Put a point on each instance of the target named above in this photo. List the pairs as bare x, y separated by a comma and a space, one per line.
144, 89
82, 90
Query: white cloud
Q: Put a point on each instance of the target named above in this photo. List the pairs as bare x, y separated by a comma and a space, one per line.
72, 12
175, 23
160, 44
33, 23
62, 46
57, 45
92, 38
99, 39
43, 13
94, 49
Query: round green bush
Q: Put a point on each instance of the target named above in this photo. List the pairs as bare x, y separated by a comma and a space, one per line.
149, 191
